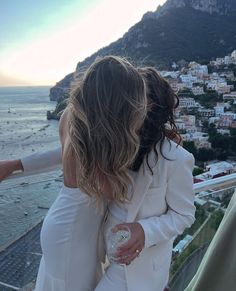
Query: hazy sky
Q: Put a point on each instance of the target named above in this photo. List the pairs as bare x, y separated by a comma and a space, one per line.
42, 41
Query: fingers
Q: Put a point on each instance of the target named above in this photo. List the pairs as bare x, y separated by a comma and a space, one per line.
128, 258
126, 246
131, 250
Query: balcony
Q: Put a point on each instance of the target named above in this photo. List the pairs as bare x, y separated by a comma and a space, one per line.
24, 201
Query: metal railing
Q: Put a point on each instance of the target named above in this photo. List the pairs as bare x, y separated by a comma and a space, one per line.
223, 182
201, 186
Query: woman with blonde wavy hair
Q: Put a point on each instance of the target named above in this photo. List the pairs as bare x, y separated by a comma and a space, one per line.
99, 137
139, 169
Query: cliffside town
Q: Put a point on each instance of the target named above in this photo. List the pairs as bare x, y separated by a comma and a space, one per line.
178, 30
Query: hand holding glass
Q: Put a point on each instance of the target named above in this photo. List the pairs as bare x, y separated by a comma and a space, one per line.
114, 240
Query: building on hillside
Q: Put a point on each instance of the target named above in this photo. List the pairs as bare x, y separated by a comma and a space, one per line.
220, 61
219, 109
202, 144
230, 97
180, 124
179, 248
214, 170
223, 131
171, 74
188, 80
186, 102
213, 120
206, 112
220, 169
198, 90
202, 202
222, 88
233, 54
228, 60
200, 139
200, 71
186, 123
189, 120
226, 119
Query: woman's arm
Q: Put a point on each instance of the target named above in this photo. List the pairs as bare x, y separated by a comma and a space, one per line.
42, 161
180, 200
155, 230
31, 164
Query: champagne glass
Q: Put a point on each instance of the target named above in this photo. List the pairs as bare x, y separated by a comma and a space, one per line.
114, 240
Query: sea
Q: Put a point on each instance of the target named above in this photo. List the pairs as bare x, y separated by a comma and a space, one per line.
25, 130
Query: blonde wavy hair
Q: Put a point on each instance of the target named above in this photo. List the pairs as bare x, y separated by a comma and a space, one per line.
106, 110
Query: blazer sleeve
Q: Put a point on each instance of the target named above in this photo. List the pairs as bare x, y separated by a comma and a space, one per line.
180, 202
40, 162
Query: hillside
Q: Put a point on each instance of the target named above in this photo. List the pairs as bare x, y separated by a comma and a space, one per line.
180, 29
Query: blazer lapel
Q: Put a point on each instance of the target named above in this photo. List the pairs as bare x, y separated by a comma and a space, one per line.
142, 183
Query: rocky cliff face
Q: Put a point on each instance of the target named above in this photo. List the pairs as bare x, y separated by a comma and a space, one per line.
61, 89
221, 7
180, 29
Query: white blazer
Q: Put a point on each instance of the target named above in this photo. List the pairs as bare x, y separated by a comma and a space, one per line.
163, 203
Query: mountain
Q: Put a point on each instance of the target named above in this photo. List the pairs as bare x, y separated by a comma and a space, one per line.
180, 29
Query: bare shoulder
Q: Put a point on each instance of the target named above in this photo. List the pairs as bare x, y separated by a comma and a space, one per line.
63, 124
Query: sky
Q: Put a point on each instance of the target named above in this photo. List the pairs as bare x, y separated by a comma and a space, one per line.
42, 41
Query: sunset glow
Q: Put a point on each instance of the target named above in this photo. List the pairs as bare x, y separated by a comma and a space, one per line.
43, 53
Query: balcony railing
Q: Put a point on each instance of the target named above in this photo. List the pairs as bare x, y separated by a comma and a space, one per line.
29, 196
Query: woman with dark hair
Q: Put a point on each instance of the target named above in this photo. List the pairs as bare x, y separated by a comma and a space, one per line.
159, 201
162, 202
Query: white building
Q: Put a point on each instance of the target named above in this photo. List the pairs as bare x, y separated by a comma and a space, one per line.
233, 55
198, 90
189, 120
230, 97
186, 122
180, 124
220, 168
222, 88
219, 109
179, 248
198, 70
220, 61
206, 112
188, 80
200, 139
186, 102
223, 131
227, 60
218, 84
213, 120
226, 119
172, 74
